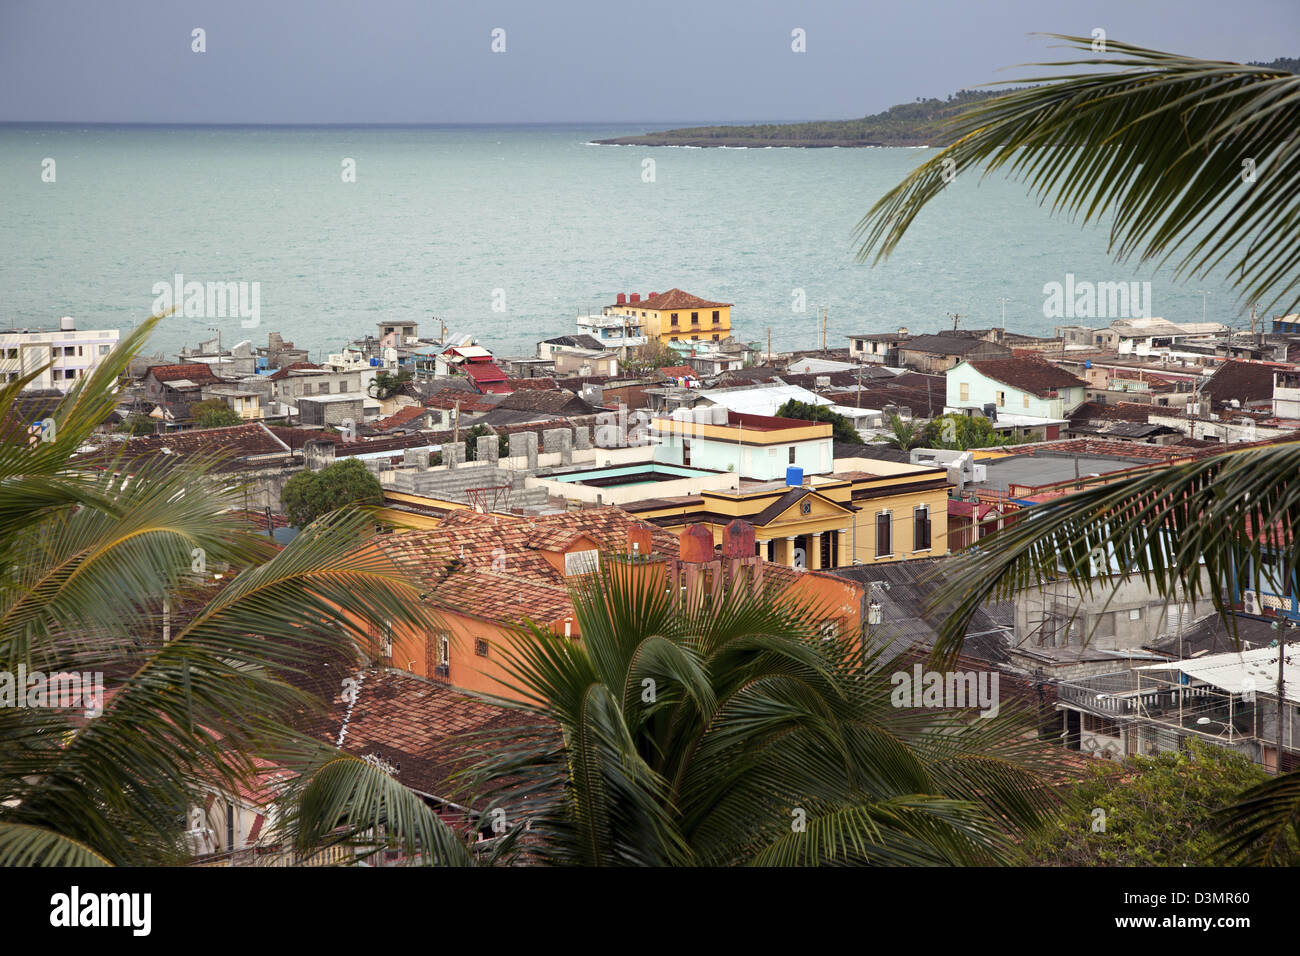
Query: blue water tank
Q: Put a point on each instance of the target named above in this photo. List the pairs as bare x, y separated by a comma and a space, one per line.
1087, 363
794, 476
374, 362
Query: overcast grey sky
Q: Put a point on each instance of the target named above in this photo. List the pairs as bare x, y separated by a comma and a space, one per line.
633, 61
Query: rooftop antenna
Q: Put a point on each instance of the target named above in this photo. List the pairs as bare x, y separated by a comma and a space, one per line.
954, 316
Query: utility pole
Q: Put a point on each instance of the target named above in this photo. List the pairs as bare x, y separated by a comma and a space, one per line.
1004, 313
823, 329
1204, 298
954, 316
769, 343
1281, 700
456, 413
859, 402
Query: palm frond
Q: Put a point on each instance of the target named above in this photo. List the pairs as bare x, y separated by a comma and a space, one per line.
1161, 143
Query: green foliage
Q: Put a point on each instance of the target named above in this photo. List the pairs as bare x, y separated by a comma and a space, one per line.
136, 425
962, 432
906, 435
651, 356
842, 427
732, 733
921, 123
1164, 150
214, 413
1158, 811
310, 494
471, 441
84, 561
385, 384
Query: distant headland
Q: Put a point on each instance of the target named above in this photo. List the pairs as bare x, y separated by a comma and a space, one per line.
922, 123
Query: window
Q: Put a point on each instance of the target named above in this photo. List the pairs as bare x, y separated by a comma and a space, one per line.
13, 353
1002, 399
921, 529
674, 318
829, 630
481, 647
715, 336
695, 318
103, 349
715, 316
69, 350
884, 525
792, 454
581, 562
1026, 401
324, 388
965, 391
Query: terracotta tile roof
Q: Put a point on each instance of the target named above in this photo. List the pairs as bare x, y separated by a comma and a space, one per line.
495, 566
1244, 381
557, 401
404, 416
416, 726
540, 384
283, 372
1121, 411
199, 373
239, 442
1029, 375
469, 401
674, 299
678, 371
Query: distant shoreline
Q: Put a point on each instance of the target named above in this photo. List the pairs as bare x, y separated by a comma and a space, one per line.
652, 139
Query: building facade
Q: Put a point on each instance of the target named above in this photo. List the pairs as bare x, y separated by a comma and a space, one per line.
71, 354
675, 316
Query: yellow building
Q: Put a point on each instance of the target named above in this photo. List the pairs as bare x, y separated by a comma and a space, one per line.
676, 316
891, 512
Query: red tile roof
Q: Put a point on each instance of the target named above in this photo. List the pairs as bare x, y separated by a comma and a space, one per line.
283, 373
678, 371
421, 728
526, 384
239, 442
674, 299
198, 373
495, 567
403, 416
1029, 375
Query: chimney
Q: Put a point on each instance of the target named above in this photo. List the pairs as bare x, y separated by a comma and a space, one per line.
696, 544
636, 297
639, 541
652, 295
738, 540
622, 298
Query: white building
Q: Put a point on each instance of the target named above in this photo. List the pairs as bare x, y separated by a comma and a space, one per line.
71, 354
613, 331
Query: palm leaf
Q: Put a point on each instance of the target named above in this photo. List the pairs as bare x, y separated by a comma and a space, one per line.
1159, 143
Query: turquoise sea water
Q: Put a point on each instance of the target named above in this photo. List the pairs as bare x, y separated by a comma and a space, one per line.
439, 219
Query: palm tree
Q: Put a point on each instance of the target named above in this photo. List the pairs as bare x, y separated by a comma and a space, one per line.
906, 435
1199, 155
86, 555
681, 733
1161, 144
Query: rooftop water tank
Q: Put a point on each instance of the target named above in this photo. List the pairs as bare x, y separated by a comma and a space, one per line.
794, 476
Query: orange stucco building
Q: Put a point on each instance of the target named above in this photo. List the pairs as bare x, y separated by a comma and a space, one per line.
485, 574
